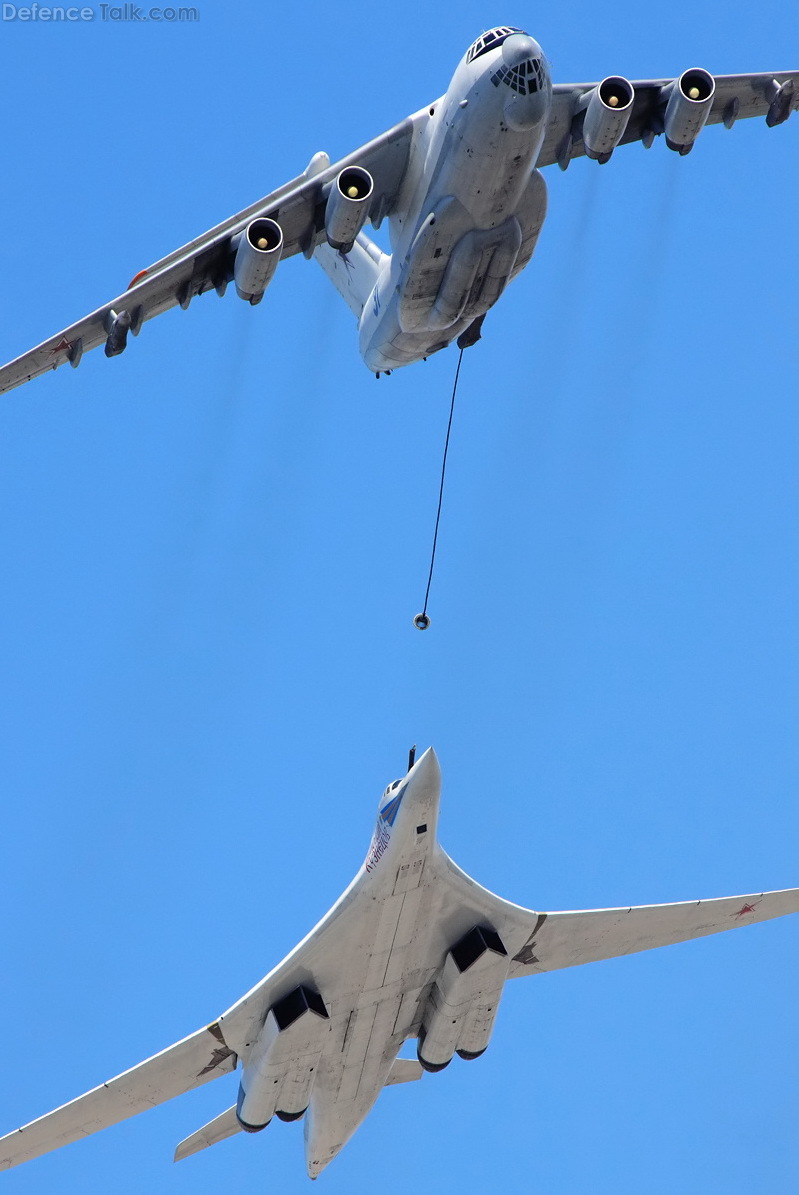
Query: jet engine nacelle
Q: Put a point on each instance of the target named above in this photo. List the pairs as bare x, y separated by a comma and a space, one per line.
257, 255
606, 115
279, 1072
463, 1003
347, 207
688, 107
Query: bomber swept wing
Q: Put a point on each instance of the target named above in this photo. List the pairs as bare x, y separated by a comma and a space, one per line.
188, 1064
559, 940
385, 947
208, 262
540, 942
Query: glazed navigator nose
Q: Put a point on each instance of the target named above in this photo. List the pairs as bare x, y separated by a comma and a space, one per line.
518, 48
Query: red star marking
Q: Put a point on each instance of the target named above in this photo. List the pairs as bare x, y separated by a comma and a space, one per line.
63, 346
744, 910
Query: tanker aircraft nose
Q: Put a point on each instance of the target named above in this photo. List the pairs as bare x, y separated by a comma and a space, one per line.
525, 75
519, 48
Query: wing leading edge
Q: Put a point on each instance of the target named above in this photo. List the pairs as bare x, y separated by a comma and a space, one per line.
210, 1052
206, 263
188, 1064
736, 97
539, 941
557, 940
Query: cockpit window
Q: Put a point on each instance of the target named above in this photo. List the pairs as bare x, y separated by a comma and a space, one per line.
525, 78
490, 41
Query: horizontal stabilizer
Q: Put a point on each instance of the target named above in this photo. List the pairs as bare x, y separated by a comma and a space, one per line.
188, 1064
354, 273
220, 1129
404, 1070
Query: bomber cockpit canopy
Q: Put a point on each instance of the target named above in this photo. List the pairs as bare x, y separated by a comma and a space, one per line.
490, 41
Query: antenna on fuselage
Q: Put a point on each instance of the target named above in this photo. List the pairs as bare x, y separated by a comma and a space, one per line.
411, 757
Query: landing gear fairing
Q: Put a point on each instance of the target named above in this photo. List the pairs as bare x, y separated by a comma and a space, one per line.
460, 185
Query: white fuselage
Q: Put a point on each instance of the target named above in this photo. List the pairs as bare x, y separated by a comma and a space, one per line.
373, 960
470, 208
390, 906
414, 948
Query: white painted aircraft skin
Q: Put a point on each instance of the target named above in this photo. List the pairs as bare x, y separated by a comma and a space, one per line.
461, 186
414, 948
471, 171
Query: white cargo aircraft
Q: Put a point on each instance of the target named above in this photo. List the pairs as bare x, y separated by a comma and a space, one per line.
460, 184
413, 949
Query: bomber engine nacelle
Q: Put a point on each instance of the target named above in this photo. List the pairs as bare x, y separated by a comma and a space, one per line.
608, 110
257, 255
690, 99
348, 207
279, 1073
463, 1003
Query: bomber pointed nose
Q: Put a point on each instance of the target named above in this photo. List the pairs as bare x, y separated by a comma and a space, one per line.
425, 774
426, 768
519, 47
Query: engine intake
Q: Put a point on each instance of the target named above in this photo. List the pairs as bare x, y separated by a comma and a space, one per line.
606, 116
463, 1003
279, 1073
348, 207
690, 99
257, 256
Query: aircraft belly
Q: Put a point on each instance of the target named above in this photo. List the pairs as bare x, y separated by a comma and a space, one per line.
446, 268
404, 938
359, 1034
456, 270
531, 214
366, 1039
440, 281
378, 1060
488, 179
423, 269
349, 1085
409, 1012
482, 161
378, 962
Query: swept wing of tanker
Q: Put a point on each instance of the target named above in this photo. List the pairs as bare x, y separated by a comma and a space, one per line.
413, 949
460, 185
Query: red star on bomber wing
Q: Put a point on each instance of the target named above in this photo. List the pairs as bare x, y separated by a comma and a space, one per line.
746, 909
433, 964
63, 346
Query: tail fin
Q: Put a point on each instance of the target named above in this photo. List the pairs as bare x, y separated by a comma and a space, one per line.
355, 273
222, 1127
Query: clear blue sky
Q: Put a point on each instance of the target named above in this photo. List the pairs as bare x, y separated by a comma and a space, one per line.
214, 545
